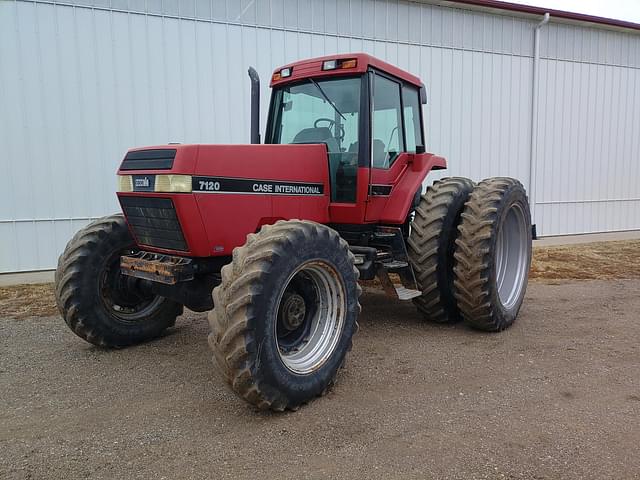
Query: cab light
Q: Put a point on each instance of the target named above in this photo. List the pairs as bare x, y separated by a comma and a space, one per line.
125, 183
350, 63
344, 63
284, 73
173, 184
329, 64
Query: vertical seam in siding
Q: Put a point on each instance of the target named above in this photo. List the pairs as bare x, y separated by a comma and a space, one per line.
9, 166
27, 146
49, 161
101, 144
132, 82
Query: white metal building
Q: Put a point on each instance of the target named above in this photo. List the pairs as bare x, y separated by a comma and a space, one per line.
82, 81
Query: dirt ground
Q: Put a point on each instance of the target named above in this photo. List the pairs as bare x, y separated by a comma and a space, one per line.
593, 261
555, 396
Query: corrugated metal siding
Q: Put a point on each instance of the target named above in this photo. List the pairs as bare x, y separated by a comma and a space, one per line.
79, 84
587, 167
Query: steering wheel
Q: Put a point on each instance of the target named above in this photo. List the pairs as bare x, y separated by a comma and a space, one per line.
338, 131
320, 120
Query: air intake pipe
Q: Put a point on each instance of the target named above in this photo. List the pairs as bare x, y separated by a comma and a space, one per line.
255, 105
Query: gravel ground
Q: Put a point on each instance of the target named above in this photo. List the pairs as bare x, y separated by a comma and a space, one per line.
556, 396
590, 261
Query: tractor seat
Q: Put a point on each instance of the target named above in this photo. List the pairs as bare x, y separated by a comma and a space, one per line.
379, 155
318, 135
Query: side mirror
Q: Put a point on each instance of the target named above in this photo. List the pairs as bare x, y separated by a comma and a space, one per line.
420, 149
423, 94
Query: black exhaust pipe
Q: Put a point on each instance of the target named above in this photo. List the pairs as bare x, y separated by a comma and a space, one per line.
255, 105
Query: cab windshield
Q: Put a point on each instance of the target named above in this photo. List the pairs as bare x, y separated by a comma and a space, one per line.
322, 111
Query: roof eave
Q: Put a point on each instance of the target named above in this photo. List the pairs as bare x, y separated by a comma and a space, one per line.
498, 6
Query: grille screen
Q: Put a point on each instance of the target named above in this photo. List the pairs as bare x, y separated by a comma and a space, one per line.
154, 222
158, 159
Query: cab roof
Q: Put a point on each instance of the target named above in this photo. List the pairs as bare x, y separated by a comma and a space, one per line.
313, 68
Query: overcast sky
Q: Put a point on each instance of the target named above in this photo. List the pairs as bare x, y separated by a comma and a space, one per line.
628, 10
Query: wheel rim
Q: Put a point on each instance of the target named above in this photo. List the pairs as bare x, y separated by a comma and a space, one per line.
125, 297
512, 256
311, 317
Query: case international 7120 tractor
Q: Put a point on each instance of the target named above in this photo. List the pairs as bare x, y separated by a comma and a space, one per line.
281, 232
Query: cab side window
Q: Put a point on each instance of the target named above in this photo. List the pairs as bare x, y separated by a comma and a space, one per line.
412, 123
387, 132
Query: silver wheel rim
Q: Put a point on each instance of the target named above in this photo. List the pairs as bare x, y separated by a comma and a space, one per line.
323, 325
512, 257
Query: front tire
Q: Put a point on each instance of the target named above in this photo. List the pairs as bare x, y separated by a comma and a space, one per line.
97, 302
493, 254
285, 313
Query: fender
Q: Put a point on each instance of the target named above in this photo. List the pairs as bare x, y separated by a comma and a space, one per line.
420, 164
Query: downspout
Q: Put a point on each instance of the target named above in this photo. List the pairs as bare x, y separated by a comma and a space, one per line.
534, 117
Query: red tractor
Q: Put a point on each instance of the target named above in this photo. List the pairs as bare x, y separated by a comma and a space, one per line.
281, 232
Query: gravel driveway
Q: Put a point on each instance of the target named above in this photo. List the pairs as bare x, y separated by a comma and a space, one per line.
556, 396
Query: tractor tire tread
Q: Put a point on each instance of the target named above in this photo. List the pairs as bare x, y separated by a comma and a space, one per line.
427, 246
232, 337
79, 312
473, 254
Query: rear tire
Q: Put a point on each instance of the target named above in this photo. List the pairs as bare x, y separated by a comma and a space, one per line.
493, 254
431, 247
97, 302
285, 313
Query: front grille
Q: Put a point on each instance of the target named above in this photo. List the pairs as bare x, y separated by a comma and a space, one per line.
158, 159
154, 222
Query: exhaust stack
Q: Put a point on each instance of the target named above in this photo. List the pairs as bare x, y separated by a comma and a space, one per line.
255, 105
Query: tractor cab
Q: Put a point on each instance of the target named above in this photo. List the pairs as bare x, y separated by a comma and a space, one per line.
344, 145
324, 111
367, 113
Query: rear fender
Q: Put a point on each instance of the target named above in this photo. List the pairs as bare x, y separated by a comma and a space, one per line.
403, 192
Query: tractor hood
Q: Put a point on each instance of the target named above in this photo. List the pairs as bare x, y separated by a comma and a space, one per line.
202, 199
299, 163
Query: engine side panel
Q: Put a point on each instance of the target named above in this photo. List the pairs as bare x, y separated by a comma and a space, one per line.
252, 185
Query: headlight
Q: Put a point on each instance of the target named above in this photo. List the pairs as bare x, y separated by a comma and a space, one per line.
173, 183
155, 183
125, 183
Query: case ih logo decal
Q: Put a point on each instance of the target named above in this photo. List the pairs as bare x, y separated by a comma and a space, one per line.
245, 185
144, 183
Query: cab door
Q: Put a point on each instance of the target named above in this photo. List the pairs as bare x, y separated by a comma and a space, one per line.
396, 130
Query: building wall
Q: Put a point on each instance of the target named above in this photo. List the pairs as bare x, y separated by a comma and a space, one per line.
587, 163
79, 84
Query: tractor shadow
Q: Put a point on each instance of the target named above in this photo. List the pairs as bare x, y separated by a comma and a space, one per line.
378, 308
